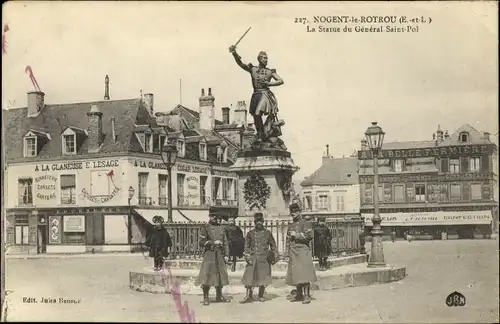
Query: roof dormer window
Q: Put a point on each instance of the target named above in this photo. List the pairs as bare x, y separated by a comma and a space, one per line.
224, 155
203, 151
181, 148
148, 142
464, 137
33, 141
69, 144
30, 146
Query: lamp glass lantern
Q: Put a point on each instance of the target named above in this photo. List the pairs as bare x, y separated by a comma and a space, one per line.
375, 136
131, 192
169, 154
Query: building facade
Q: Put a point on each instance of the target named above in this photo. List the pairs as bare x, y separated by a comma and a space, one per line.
443, 188
89, 176
332, 191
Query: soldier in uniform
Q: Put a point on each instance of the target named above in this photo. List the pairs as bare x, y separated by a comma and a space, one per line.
213, 271
300, 271
263, 101
260, 253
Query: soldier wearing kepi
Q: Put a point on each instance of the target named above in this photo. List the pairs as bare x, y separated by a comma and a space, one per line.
300, 272
213, 271
260, 253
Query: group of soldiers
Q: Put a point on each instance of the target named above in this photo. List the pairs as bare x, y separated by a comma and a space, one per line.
224, 244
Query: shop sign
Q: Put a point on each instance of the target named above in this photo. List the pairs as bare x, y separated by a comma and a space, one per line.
77, 165
101, 199
435, 218
427, 177
180, 167
428, 152
74, 223
55, 229
193, 186
223, 173
46, 187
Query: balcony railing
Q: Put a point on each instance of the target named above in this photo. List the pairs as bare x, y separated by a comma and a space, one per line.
144, 200
345, 236
26, 200
70, 200
205, 201
162, 201
224, 202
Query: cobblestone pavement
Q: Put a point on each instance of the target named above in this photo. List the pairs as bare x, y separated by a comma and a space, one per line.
434, 270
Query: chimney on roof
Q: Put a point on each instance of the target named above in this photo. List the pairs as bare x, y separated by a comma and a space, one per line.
106, 87
36, 102
225, 115
439, 134
240, 113
95, 136
148, 103
446, 135
327, 150
364, 145
207, 110
486, 136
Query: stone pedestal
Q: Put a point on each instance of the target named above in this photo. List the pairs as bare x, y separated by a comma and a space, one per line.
272, 167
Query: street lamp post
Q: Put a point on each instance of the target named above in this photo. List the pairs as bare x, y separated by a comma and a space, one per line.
131, 192
375, 137
169, 155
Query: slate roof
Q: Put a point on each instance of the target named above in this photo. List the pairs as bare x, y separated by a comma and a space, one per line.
408, 145
55, 118
342, 171
475, 137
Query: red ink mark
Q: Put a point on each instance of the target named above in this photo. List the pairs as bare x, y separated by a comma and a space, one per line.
4, 39
32, 78
186, 316
111, 174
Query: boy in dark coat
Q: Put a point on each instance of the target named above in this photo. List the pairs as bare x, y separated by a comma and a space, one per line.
322, 243
213, 271
260, 254
159, 242
300, 271
236, 242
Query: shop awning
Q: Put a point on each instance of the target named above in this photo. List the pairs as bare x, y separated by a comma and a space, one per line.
440, 218
148, 215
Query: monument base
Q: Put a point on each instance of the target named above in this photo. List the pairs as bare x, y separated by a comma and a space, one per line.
265, 182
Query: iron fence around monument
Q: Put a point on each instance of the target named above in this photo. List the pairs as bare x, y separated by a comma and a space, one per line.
186, 236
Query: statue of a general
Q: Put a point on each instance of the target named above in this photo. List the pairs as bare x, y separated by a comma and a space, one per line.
263, 101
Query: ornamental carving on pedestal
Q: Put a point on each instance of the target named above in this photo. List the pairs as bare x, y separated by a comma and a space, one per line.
256, 192
284, 180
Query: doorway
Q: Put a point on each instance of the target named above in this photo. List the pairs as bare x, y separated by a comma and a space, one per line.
94, 229
42, 239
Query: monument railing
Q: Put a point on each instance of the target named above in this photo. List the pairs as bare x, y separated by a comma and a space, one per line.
186, 237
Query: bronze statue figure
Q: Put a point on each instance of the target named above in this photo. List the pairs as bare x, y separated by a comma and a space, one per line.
263, 101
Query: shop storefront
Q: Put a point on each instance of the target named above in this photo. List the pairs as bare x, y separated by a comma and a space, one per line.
436, 225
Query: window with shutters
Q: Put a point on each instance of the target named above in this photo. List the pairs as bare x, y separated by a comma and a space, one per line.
181, 148
25, 191
162, 189
215, 187
454, 166
148, 142
181, 198
476, 191
397, 165
68, 189
323, 201
455, 192
399, 193
420, 192
465, 192
203, 151
474, 164
143, 188
308, 202
340, 203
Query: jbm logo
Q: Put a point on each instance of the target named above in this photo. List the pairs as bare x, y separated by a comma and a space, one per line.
455, 299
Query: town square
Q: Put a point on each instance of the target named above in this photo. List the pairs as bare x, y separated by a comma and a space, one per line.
250, 169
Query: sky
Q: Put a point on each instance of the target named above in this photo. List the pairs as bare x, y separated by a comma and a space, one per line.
336, 84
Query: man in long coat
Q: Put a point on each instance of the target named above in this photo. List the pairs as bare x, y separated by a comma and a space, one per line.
213, 271
236, 242
322, 243
159, 242
260, 254
300, 271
